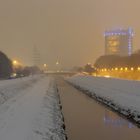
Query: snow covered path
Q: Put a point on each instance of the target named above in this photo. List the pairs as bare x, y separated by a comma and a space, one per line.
31, 116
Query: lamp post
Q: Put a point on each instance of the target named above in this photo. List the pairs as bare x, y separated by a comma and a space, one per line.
15, 62
57, 66
45, 67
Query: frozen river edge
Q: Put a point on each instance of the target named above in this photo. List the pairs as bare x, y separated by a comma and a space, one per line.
57, 130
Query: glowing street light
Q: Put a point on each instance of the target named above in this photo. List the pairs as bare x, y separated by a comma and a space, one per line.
57, 63
57, 66
45, 65
138, 68
132, 68
16, 66
15, 62
126, 68
121, 69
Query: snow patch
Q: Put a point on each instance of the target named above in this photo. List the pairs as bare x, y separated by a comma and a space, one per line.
32, 111
121, 95
50, 122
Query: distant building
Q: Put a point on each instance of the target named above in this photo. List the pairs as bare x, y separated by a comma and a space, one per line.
119, 42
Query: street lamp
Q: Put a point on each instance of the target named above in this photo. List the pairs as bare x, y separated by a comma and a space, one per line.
57, 63
15, 62
45, 65
16, 67
132, 68
57, 66
126, 68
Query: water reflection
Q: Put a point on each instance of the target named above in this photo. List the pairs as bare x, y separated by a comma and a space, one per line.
111, 119
85, 119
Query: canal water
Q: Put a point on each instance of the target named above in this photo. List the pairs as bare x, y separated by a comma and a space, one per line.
86, 119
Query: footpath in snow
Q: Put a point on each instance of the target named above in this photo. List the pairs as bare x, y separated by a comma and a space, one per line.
30, 110
121, 95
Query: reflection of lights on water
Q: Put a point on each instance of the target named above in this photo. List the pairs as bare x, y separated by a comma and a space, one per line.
117, 122
107, 76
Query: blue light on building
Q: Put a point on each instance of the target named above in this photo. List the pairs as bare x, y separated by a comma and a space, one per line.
119, 42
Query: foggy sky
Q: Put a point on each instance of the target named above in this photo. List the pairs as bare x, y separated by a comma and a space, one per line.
68, 31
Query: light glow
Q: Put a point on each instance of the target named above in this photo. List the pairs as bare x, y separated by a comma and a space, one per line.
138, 68
107, 76
15, 62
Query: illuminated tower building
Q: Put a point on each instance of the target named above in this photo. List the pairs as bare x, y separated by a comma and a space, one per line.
119, 42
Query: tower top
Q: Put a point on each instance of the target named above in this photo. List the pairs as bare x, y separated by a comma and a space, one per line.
119, 31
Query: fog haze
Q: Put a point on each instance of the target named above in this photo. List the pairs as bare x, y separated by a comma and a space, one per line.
68, 31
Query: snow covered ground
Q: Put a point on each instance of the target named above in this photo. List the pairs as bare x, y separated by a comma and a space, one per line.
121, 95
30, 110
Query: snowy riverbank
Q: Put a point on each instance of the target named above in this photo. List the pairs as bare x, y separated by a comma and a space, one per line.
121, 95
30, 110
12, 88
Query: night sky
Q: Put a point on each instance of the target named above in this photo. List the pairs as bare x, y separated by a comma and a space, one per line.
68, 31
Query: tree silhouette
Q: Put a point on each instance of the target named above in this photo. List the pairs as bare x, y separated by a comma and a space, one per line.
5, 66
89, 69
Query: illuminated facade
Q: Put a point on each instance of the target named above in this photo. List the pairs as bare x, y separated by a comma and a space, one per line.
119, 42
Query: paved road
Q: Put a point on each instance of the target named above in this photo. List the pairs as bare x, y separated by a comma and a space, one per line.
86, 119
